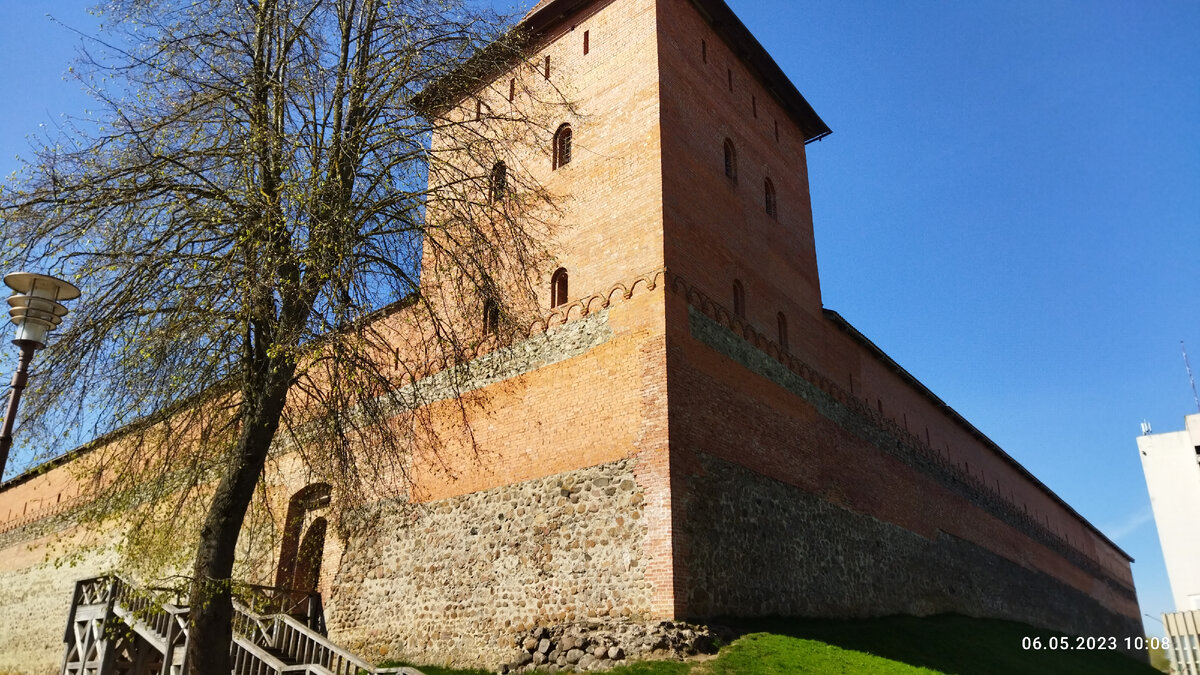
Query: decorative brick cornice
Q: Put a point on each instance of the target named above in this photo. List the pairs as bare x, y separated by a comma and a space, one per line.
647, 281
556, 317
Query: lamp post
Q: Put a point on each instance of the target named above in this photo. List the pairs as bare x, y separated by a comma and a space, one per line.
36, 310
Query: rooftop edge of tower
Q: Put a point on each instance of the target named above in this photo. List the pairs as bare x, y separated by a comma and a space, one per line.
548, 14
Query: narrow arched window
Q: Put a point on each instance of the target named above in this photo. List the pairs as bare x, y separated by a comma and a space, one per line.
562, 146
499, 181
491, 318
769, 198
730, 160
739, 299
783, 336
558, 288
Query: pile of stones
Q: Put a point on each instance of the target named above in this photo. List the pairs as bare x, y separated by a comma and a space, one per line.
577, 648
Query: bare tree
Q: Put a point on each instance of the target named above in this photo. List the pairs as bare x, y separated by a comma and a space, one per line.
248, 218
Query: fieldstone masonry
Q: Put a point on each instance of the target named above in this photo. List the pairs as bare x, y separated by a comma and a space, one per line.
460, 577
586, 647
761, 547
36, 598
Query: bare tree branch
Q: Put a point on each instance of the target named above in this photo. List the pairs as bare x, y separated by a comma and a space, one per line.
280, 241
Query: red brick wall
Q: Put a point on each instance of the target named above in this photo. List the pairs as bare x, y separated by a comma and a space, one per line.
716, 230
878, 385
603, 406
723, 411
609, 197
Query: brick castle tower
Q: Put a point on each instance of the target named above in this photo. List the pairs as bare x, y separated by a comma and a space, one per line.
693, 434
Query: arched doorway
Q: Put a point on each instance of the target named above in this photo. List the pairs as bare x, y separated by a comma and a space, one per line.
303, 539
308, 559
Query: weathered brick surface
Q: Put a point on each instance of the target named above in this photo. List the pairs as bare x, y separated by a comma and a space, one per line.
527, 427
717, 230
611, 191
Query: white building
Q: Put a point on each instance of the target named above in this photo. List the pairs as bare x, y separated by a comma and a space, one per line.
1171, 463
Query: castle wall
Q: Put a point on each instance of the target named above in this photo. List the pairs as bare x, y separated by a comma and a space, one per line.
560, 513
35, 585
37, 496
35, 593
581, 394
563, 479
761, 547
453, 580
819, 507
895, 396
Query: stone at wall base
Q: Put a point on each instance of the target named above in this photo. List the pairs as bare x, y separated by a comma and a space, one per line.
601, 646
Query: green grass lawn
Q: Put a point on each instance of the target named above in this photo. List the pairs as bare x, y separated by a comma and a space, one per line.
954, 645
945, 644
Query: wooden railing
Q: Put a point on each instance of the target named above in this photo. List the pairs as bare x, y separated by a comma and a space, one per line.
274, 643
282, 638
298, 641
292, 602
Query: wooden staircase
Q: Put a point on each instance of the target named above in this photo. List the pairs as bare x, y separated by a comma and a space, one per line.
115, 628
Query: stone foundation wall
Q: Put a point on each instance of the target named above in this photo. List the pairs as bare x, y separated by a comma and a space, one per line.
35, 597
760, 547
457, 579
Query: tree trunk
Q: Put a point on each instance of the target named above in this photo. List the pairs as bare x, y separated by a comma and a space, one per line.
210, 632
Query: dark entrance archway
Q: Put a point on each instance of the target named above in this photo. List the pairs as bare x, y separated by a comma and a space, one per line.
308, 559
303, 539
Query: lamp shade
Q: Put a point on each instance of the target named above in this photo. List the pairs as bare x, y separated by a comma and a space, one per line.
35, 306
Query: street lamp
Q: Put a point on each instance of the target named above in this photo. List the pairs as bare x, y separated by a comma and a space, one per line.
36, 311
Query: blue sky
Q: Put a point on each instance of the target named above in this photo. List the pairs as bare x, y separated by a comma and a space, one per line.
1009, 206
